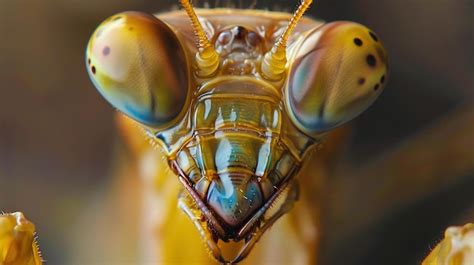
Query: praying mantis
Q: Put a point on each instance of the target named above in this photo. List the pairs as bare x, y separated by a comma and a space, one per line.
295, 218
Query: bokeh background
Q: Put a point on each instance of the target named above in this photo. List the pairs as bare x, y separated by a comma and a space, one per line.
406, 174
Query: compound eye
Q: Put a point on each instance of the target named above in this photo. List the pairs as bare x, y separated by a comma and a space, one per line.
139, 66
337, 73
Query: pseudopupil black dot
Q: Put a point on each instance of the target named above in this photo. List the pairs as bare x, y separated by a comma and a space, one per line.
358, 42
371, 61
373, 36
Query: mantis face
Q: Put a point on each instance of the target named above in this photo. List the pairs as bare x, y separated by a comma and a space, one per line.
237, 114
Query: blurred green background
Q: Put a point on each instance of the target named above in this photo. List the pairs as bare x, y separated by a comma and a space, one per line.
57, 137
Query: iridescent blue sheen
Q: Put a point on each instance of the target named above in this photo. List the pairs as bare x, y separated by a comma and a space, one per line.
136, 63
233, 198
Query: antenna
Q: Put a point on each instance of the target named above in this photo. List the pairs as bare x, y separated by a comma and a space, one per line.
207, 58
274, 62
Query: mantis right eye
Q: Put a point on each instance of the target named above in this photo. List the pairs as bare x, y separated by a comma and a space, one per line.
338, 72
139, 66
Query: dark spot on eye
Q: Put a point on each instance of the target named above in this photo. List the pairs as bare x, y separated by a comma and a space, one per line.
371, 61
373, 36
358, 41
117, 18
93, 69
89, 61
376, 87
106, 51
382, 79
130, 28
361, 81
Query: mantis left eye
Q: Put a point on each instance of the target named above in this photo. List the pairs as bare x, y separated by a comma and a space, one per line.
338, 71
138, 64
